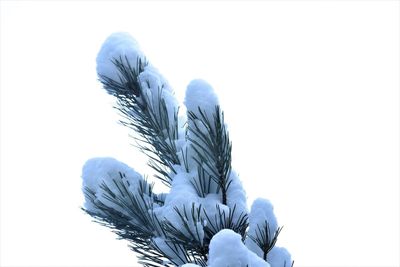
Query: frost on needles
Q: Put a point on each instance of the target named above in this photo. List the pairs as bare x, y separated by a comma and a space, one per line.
203, 220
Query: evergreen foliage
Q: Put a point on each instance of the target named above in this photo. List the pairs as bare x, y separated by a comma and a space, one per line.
130, 207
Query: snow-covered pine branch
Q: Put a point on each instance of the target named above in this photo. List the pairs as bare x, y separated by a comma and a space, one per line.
145, 100
203, 220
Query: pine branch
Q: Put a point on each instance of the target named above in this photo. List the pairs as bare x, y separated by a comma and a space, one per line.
136, 223
147, 117
212, 148
177, 254
264, 240
201, 164
222, 220
128, 84
187, 232
203, 183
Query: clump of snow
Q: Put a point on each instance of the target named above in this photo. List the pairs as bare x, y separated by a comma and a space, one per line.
156, 89
182, 190
118, 45
236, 196
152, 79
260, 213
200, 94
228, 250
279, 257
183, 198
98, 171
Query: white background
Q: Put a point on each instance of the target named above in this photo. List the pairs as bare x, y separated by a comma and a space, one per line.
310, 93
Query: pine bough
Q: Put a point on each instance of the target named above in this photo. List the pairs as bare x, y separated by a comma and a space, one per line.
203, 220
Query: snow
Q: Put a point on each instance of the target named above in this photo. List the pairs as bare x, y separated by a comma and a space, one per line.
236, 196
190, 265
261, 211
200, 94
97, 171
182, 191
228, 250
117, 45
279, 257
151, 75
157, 89
184, 198
181, 201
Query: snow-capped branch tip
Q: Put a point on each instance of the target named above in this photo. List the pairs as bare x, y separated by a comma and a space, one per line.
263, 233
99, 172
227, 249
200, 94
118, 46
